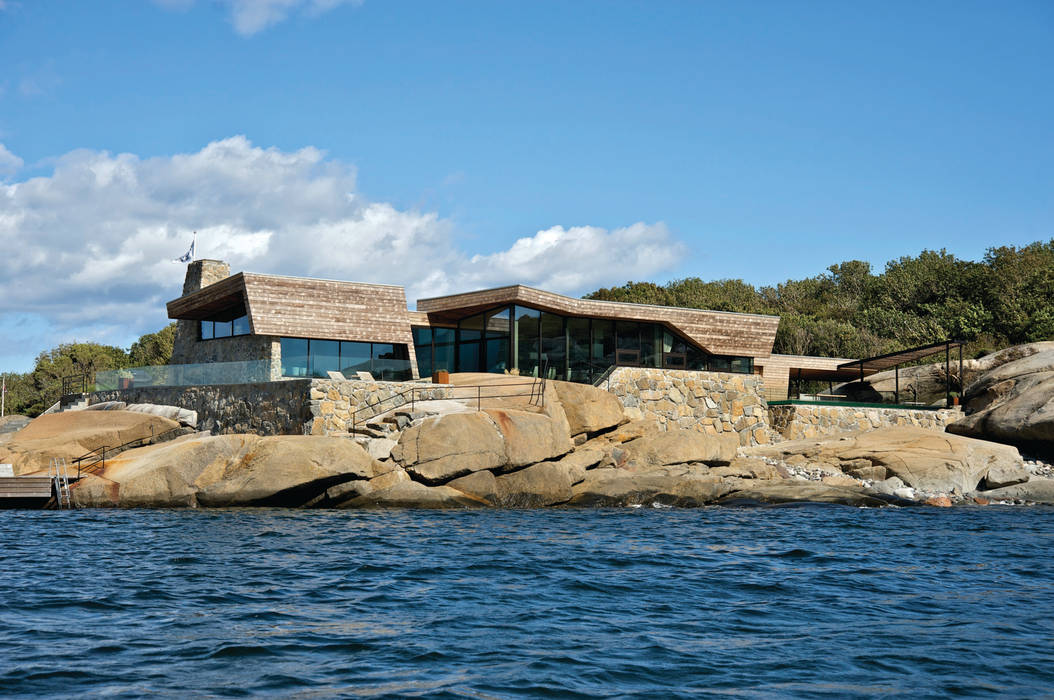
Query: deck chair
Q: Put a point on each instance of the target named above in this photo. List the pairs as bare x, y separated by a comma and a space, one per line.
365, 376
332, 374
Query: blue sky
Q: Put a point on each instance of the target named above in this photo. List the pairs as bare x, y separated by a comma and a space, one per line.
446, 146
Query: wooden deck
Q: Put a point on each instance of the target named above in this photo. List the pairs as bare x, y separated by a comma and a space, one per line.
24, 491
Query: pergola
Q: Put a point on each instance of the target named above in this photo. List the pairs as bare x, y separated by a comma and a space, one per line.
894, 360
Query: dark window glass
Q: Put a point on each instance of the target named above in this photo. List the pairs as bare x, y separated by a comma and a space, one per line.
471, 328
527, 340
744, 365
554, 345
207, 330
578, 350
651, 345
391, 363
697, 359
444, 349
497, 347
325, 357
241, 326
603, 344
222, 329
628, 343
470, 335
294, 357
354, 357
423, 350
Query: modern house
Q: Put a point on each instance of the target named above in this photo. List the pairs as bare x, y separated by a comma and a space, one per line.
300, 327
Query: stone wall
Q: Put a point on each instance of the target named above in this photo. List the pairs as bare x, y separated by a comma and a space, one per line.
289, 407
333, 401
803, 421
710, 402
266, 408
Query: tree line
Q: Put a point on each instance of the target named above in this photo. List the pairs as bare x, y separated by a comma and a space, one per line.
1005, 299
32, 393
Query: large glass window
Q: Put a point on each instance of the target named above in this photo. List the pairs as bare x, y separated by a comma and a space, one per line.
294, 357
354, 357
651, 345
206, 330
554, 346
325, 357
527, 340
315, 358
497, 348
423, 350
224, 329
443, 340
628, 348
470, 344
579, 368
603, 343
240, 326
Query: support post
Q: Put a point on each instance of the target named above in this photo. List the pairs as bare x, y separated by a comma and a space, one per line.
962, 379
896, 390
947, 376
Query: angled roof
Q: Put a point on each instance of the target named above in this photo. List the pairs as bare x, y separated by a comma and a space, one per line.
718, 332
303, 308
892, 359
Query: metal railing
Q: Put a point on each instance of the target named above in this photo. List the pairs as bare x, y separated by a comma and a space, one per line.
429, 392
96, 459
79, 383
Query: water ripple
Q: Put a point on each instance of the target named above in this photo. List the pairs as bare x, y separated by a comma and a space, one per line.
814, 601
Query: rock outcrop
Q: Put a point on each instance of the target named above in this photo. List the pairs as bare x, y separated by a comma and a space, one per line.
228, 470
1013, 403
587, 408
924, 460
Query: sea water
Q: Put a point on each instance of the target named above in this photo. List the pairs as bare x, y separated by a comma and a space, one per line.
751, 602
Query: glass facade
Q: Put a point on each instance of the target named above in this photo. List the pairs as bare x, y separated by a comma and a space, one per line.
303, 357
539, 343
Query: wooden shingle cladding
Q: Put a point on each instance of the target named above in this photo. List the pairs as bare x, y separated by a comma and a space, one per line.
298, 307
717, 332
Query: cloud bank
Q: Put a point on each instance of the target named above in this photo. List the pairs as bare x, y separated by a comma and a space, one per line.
89, 248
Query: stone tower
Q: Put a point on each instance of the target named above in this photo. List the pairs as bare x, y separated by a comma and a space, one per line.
200, 274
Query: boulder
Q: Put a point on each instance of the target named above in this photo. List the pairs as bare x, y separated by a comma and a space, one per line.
452, 445
681, 486
1035, 490
107, 406
71, 434
924, 459
800, 491
542, 484
530, 437
481, 485
750, 468
411, 494
588, 409
678, 447
1013, 403
180, 415
228, 470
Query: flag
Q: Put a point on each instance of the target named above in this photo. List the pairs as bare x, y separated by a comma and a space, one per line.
189, 255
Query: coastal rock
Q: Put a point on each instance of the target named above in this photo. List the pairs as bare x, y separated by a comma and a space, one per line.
679, 486
750, 468
443, 448
678, 447
482, 485
179, 415
411, 494
71, 434
228, 470
587, 408
926, 460
530, 437
538, 485
1035, 490
799, 491
1013, 403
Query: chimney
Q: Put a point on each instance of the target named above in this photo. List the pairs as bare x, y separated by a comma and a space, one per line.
202, 273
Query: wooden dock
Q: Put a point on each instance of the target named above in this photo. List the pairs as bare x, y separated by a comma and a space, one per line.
25, 491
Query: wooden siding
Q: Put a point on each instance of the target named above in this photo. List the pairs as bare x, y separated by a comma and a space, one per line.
717, 332
777, 371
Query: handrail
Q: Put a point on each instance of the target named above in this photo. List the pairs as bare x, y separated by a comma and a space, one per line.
537, 391
71, 382
102, 451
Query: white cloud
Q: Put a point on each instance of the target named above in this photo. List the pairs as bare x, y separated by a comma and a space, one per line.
9, 162
89, 247
252, 16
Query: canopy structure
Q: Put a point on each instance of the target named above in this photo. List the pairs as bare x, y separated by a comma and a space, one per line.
870, 365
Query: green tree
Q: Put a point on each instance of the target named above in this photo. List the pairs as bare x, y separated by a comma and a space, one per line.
66, 360
153, 348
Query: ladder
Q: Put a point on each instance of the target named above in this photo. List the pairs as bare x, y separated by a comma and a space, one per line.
60, 482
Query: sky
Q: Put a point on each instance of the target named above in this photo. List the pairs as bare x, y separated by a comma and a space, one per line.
449, 146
